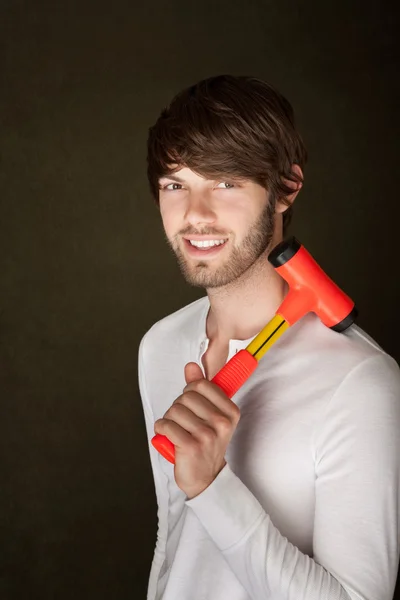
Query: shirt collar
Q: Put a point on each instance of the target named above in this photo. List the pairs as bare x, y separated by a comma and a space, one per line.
201, 340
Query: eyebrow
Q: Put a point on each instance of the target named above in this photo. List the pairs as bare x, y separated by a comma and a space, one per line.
172, 177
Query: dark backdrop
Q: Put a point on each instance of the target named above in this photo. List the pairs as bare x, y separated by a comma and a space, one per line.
84, 270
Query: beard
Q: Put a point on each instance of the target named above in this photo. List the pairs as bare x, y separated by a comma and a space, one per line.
240, 259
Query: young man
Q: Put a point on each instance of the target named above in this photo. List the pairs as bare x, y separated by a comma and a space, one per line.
291, 489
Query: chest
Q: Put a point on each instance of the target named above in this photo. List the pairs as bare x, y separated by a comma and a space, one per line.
273, 451
214, 358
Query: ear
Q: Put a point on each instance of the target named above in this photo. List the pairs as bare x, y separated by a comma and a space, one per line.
295, 186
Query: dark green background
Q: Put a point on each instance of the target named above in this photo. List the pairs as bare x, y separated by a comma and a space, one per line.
84, 267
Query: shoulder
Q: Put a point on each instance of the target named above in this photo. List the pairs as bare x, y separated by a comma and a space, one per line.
347, 350
320, 359
361, 376
163, 352
362, 409
174, 329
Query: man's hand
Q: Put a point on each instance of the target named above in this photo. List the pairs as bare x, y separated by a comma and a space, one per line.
200, 424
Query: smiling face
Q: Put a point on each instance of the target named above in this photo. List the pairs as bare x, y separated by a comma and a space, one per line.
217, 229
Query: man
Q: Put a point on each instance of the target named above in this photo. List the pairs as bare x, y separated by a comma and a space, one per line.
291, 489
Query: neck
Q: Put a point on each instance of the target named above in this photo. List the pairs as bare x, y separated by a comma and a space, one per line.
241, 309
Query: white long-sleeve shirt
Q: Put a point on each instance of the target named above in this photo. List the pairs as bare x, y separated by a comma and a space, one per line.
307, 507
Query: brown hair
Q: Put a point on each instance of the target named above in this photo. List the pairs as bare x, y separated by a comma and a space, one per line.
228, 125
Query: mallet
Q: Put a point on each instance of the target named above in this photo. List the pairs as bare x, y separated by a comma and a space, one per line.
310, 290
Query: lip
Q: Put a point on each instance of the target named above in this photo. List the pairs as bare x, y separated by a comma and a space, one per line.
204, 238
197, 252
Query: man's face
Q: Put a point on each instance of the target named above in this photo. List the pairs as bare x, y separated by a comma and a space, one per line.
217, 229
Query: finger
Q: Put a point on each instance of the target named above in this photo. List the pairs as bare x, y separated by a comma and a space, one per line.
174, 432
199, 405
186, 418
180, 436
215, 395
193, 372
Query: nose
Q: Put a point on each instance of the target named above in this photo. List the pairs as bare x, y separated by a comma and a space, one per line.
199, 209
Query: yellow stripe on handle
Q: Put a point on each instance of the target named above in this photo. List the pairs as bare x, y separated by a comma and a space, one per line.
267, 337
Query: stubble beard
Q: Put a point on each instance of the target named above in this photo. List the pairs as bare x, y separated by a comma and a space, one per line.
241, 258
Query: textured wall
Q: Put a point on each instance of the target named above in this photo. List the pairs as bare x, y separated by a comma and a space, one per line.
84, 267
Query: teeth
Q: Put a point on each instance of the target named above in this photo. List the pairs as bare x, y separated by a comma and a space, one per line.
206, 243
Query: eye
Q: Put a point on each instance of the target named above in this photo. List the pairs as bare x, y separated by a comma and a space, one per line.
172, 186
225, 185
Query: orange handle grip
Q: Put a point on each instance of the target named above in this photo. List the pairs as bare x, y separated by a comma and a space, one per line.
229, 379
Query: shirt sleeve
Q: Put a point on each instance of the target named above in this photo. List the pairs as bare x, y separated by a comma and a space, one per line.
356, 526
160, 483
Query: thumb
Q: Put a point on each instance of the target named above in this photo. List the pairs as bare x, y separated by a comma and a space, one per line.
193, 372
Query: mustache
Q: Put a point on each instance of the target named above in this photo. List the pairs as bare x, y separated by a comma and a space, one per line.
203, 231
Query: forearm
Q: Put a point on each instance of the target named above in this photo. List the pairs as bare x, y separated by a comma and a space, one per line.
264, 561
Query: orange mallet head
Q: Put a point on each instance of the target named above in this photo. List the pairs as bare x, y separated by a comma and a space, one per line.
310, 288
